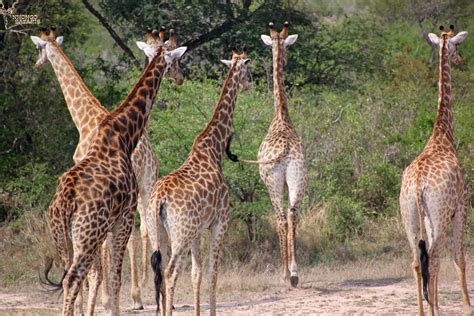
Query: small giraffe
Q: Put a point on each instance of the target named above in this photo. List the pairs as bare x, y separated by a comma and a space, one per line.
87, 113
434, 191
99, 194
281, 157
195, 197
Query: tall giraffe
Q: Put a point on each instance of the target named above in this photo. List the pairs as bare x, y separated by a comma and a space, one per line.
434, 191
87, 113
195, 197
281, 157
99, 194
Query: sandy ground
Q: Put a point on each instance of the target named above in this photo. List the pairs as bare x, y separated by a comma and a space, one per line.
371, 287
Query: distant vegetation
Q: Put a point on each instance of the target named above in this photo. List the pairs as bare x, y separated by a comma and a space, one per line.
362, 90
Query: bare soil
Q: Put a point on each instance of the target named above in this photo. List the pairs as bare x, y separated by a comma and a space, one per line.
370, 287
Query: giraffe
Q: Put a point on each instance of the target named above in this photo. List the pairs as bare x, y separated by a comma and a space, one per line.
87, 113
195, 197
99, 194
433, 190
281, 157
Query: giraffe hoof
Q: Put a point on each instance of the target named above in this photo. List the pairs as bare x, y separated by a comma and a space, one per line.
139, 308
294, 280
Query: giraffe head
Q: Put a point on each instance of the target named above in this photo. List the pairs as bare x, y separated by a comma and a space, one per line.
451, 41
242, 64
45, 38
280, 40
154, 40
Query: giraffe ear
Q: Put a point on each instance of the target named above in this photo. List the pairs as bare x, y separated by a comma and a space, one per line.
177, 53
434, 39
142, 45
267, 40
59, 40
228, 63
290, 40
459, 38
38, 41
246, 60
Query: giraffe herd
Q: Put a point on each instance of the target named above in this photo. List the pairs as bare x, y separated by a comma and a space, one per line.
92, 213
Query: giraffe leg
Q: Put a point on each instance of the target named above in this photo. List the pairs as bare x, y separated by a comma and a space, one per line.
196, 273
218, 232
171, 275
282, 229
80, 302
433, 268
121, 234
296, 182
275, 181
95, 278
105, 260
292, 221
135, 289
417, 273
144, 237
459, 260
164, 260
435, 303
73, 280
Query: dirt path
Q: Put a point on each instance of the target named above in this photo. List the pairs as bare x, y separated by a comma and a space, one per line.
325, 291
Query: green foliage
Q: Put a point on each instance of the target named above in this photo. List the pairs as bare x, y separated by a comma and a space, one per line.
31, 189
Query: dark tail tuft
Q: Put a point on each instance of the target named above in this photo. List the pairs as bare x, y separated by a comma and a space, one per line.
424, 260
52, 286
156, 266
229, 153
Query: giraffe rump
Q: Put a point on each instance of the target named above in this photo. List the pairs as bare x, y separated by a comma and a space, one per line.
156, 266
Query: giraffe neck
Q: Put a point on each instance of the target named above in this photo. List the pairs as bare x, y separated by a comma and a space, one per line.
81, 103
444, 118
214, 137
127, 122
281, 109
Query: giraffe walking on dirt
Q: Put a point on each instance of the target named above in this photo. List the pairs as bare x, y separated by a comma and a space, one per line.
195, 197
281, 158
434, 192
87, 113
99, 194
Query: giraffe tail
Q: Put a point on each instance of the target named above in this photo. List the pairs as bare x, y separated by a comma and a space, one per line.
156, 258
233, 157
45, 280
156, 266
424, 258
61, 209
229, 153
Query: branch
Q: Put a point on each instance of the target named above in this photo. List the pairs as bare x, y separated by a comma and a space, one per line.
112, 33
220, 29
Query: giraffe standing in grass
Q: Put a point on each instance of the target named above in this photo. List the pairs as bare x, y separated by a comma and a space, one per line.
434, 192
87, 113
99, 194
281, 158
195, 197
